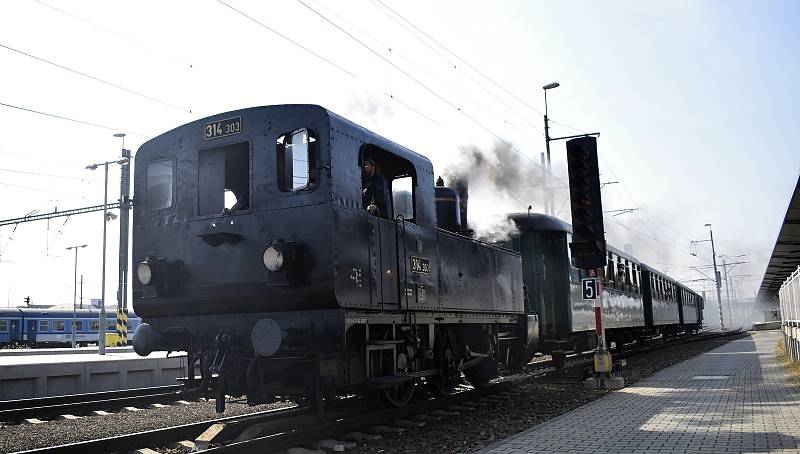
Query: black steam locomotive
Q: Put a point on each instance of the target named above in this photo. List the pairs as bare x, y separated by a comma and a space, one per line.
257, 256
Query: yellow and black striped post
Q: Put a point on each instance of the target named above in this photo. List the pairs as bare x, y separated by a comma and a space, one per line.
124, 340
120, 324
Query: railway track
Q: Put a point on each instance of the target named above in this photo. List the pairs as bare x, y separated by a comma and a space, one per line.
276, 430
78, 404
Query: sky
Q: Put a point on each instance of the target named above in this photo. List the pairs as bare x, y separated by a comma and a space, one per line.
695, 102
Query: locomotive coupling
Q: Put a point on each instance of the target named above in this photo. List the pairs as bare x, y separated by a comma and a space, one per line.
145, 340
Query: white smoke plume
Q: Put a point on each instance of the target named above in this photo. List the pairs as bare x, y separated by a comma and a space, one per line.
500, 182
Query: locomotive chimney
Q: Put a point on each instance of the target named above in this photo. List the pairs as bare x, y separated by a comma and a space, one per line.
448, 215
461, 186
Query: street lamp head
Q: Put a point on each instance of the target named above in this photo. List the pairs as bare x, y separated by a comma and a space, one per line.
92, 167
119, 134
549, 86
124, 161
708, 225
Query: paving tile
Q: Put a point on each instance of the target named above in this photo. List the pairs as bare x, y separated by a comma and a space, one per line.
732, 399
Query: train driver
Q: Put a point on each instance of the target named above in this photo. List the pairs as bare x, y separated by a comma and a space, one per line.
373, 195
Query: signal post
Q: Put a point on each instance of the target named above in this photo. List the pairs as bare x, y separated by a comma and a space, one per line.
589, 245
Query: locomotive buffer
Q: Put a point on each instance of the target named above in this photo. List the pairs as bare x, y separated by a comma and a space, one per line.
589, 245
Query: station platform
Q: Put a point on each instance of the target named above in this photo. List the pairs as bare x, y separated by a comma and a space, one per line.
64, 372
735, 398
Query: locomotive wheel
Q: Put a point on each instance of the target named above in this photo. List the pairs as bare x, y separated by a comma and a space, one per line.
444, 361
399, 396
480, 375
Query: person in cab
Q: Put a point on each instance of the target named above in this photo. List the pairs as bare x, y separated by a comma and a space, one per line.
374, 190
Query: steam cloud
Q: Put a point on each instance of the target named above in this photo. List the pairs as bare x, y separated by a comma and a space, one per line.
500, 182
368, 105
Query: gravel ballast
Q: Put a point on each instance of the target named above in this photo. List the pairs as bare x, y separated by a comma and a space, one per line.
539, 401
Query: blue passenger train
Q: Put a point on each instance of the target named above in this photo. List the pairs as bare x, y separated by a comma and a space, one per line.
47, 327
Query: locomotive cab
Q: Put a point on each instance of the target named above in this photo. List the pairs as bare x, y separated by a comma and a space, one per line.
256, 254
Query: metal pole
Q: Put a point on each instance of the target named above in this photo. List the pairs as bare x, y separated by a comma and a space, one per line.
102, 340
548, 204
74, 295
727, 291
544, 177
716, 277
75, 289
124, 210
81, 303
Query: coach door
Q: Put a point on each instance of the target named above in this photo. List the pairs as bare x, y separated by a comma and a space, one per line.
14, 330
31, 330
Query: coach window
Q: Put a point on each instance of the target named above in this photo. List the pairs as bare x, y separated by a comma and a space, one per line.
43, 326
3, 326
610, 268
224, 179
94, 325
58, 325
653, 286
78, 325
297, 160
158, 192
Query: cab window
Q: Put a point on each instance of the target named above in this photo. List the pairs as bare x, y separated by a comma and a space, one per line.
224, 179
402, 197
297, 160
388, 184
159, 181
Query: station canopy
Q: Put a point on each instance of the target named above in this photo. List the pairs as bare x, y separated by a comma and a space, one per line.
786, 253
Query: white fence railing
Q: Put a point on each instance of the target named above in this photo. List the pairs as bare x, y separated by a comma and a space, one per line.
789, 298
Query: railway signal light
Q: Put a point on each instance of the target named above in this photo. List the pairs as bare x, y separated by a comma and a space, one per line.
588, 236
27, 300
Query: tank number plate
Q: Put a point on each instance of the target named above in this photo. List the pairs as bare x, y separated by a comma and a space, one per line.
420, 265
222, 128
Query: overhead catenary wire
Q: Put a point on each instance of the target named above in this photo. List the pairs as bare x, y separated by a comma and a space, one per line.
381, 5
265, 26
169, 57
492, 81
563, 125
37, 189
97, 79
392, 50
426, 88
39, 174
61, 117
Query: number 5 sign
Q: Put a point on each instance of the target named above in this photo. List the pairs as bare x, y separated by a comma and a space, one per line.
589, 287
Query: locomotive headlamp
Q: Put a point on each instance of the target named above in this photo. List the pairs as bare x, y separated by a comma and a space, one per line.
279, 256
144, 273
273, 258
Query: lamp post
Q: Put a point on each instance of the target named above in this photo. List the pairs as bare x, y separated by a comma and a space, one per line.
548, 201
74, 288
716, 277
102, 333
